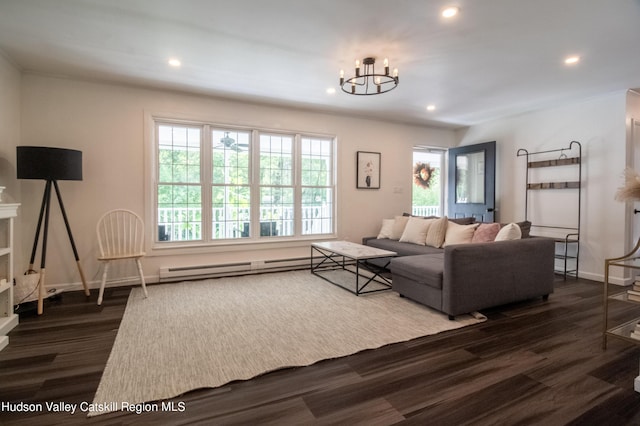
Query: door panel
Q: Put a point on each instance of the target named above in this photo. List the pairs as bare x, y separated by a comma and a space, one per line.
471, 182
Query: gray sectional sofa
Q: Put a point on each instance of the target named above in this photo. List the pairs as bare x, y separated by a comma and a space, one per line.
463, 278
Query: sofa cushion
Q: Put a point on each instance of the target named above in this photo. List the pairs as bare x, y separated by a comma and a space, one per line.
403, 249
525, 227
416, 231
426, 269
437, 232
459, 234
510, 231
386, 231
400, 222
486, 232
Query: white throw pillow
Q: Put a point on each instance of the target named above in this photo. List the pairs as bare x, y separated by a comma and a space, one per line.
416, 231
398, 227
387, 228
459, 234
510, 231
437, 231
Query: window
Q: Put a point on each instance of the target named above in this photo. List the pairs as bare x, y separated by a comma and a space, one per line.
217, 184
317, 186
427, 194
230, 189
179, 191
276, 185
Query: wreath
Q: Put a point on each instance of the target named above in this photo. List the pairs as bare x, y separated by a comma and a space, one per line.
422, 174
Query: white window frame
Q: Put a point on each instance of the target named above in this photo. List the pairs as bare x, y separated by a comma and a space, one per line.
152, 120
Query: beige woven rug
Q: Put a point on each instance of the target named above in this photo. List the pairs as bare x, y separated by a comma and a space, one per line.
204, 334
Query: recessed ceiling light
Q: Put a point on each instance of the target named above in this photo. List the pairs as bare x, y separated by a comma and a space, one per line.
331, 91
570, 60
174, 62
450, 11
431, 107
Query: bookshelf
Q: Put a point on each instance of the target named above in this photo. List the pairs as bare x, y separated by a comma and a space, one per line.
8, 319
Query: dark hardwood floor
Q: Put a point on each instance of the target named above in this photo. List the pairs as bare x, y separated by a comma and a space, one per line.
531, 363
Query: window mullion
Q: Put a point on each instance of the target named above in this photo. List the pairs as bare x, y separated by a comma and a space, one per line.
254, 171
206, 156
297, 184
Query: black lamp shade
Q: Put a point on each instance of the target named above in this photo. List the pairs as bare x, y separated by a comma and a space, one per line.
39, 162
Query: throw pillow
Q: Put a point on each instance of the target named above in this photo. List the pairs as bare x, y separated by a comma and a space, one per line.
416, 231
509, 232
459, 234
437, 231
525, 227
399, 224
387, 228
486, 232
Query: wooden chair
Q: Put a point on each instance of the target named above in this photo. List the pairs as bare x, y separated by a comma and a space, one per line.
120, 236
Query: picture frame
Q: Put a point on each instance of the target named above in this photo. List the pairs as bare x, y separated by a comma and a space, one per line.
367, 170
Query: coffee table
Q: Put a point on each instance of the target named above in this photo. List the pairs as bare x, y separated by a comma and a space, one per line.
351, 257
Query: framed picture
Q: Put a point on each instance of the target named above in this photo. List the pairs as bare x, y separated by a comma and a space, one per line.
368, 170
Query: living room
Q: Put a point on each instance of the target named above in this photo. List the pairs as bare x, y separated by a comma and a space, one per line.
111, 122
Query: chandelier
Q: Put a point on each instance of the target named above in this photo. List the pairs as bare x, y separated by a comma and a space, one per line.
367, 81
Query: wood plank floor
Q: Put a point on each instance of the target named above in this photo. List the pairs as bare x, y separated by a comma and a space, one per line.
530, 363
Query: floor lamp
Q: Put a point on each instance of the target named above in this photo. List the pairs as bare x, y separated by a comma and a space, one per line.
51, 165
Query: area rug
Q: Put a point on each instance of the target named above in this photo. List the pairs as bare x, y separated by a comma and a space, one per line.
204, 334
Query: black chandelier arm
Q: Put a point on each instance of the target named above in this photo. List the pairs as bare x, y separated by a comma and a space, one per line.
366, 77
386, 85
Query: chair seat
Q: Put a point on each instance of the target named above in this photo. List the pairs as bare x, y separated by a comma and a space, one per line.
130, 256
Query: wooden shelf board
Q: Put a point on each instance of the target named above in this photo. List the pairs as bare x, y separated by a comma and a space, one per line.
554, 185
553, 163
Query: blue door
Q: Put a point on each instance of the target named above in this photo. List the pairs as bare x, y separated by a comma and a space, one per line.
472, 182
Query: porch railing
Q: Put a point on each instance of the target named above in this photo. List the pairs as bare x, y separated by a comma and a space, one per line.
184, 223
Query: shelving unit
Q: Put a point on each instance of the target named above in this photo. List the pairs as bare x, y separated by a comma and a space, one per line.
568, 241
8, 319
622, 330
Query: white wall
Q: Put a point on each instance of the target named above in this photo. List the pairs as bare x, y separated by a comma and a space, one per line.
599, 125
10, 80
106, 122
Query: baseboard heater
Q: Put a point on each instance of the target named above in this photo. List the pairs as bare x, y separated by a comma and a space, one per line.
175, 273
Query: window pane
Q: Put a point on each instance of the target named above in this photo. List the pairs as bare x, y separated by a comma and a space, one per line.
178, 154
276, 162
179, 212
276, 211
317, 211
231, 154
231, 212
316, 159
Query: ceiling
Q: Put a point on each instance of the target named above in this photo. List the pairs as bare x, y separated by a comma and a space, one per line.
496, 58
